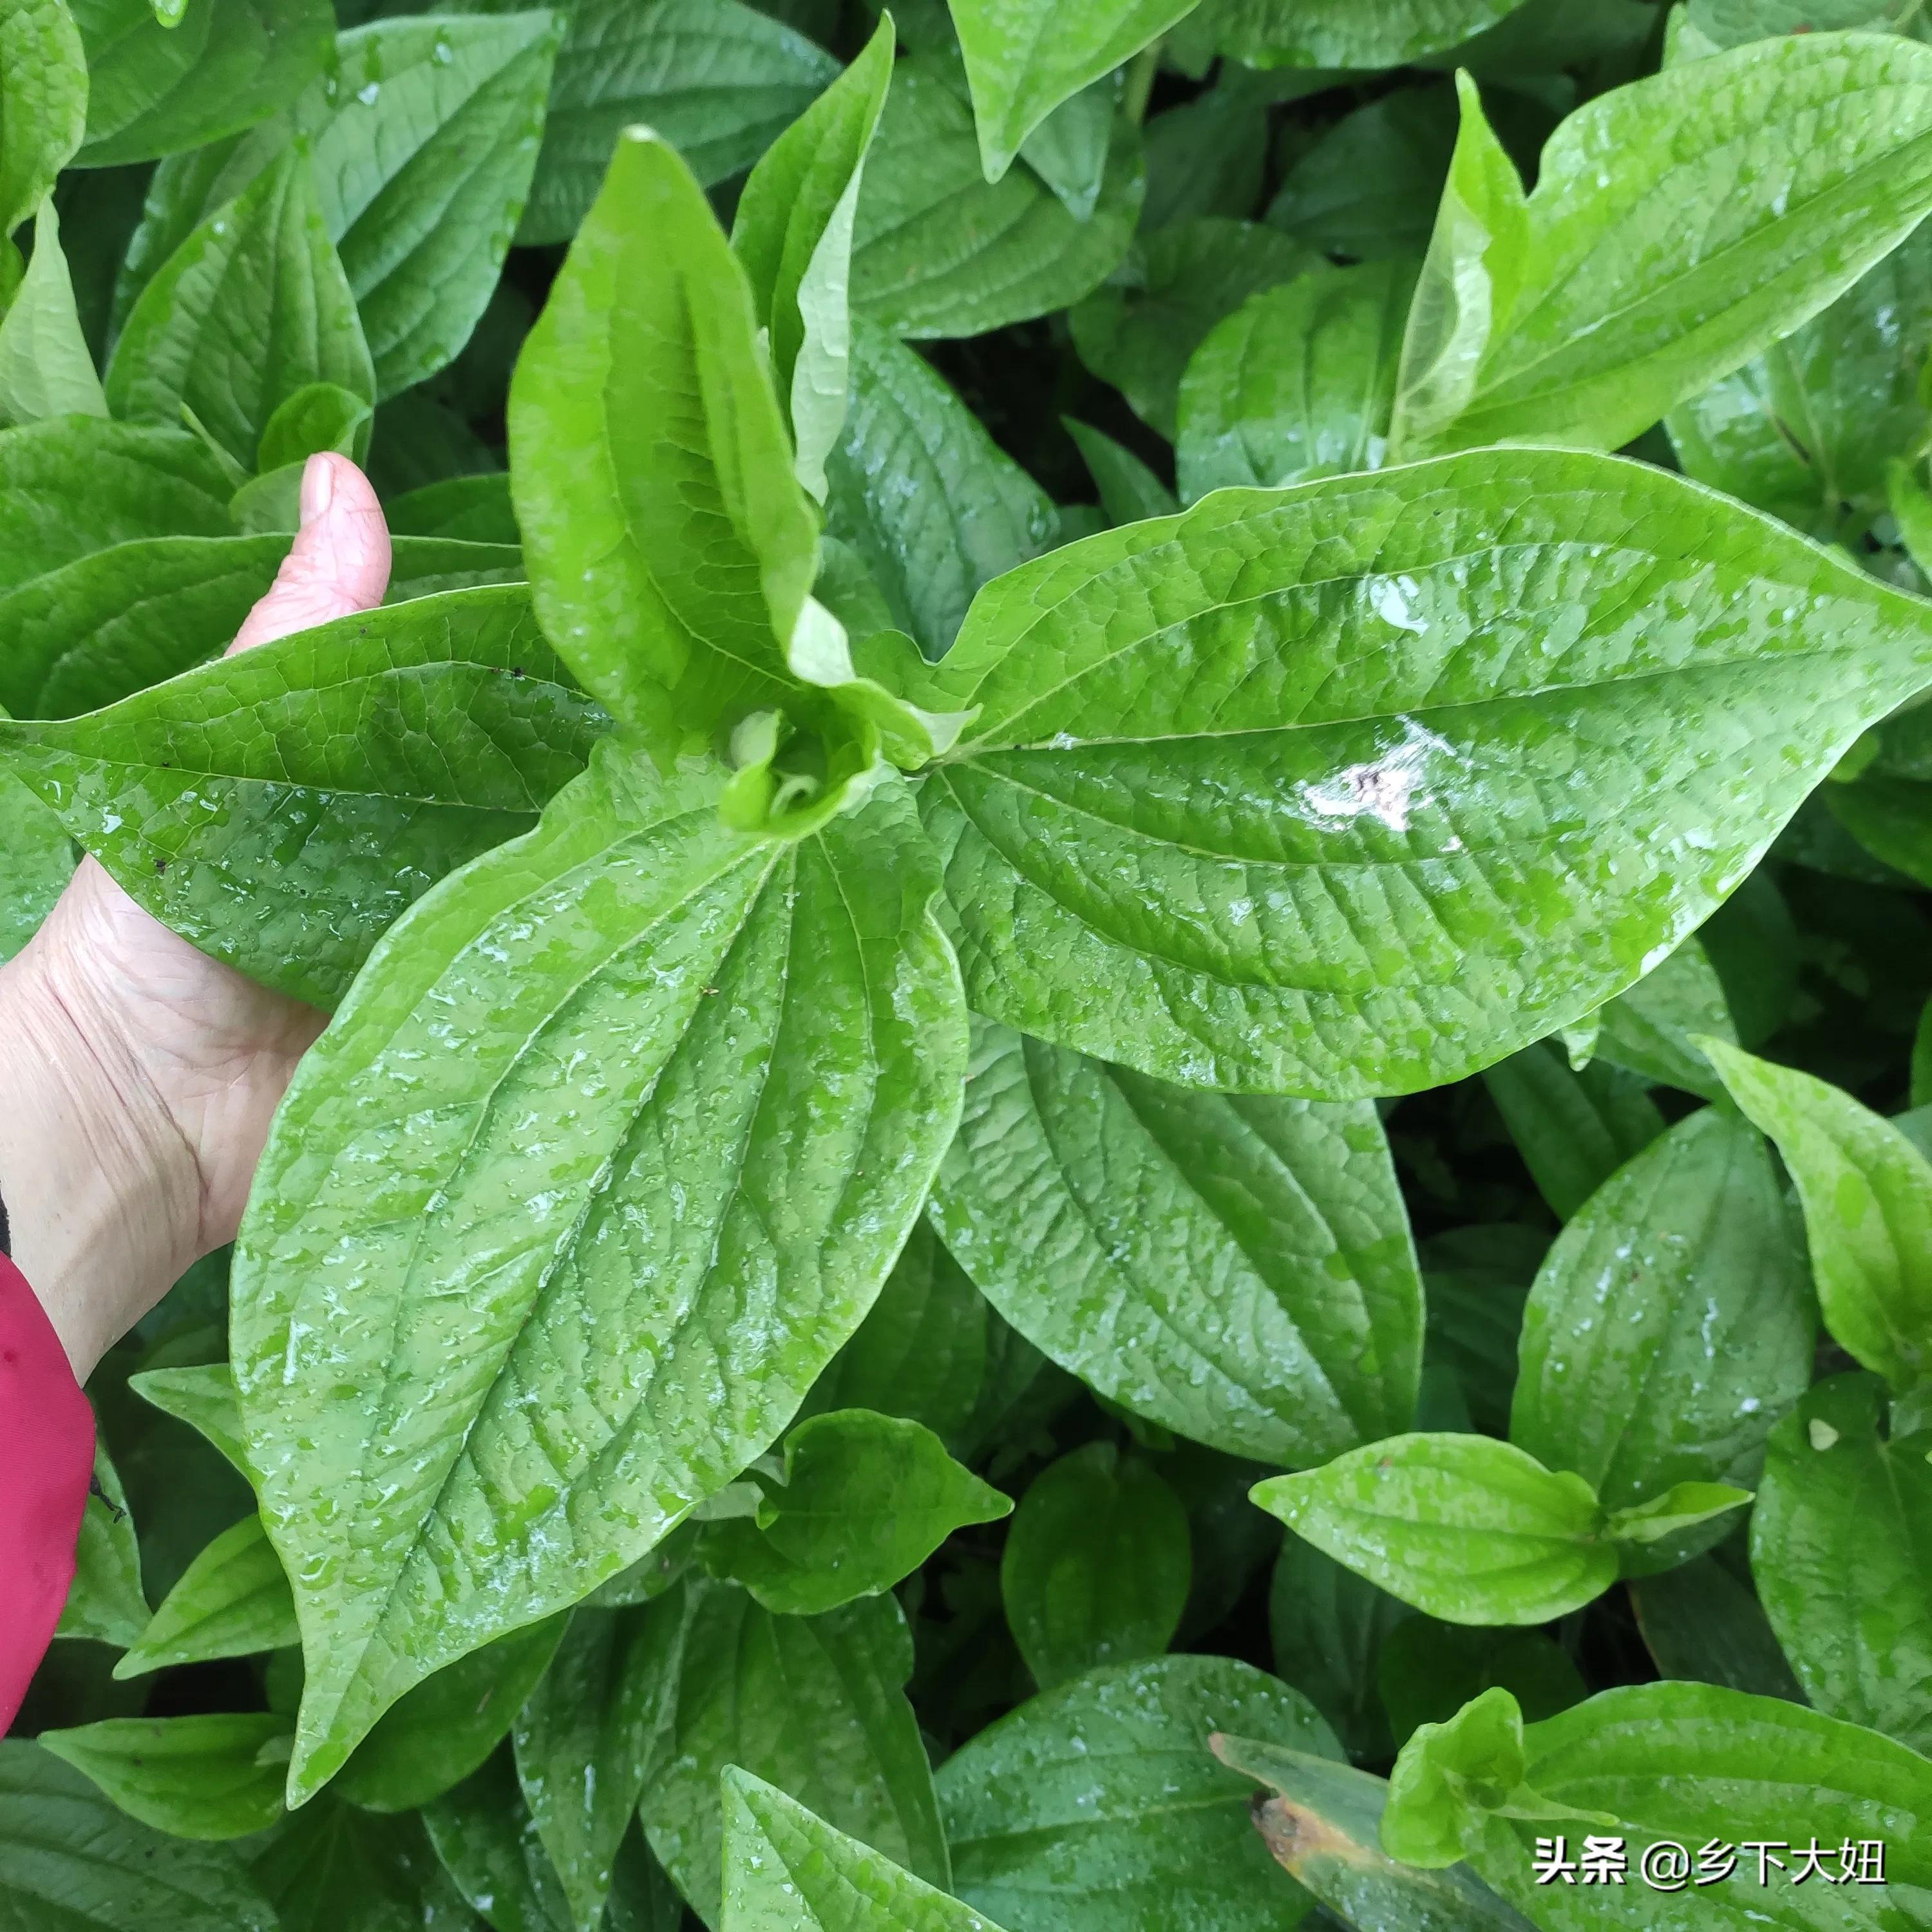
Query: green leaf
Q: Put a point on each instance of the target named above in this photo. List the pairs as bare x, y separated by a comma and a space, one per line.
332, 1868
812, 1704
1866, 1192
864, 1501
1648, 1029
253, 307
1841, 1548
69, 1858
583, 1738
1139, 332
939, 250
1672, 1324
1448, 1774
78, 484
1684, 1506
204, 1399
1209, 155
1324, 1828
42, 103
1296, 383
45, 369
452, 724
1052, 1811
1025, 57
786, 1871
1238, 1268
1470, 280
436, 1734
633, 926
318, 417
1690, 1763
488, 1843
155, 90
674, 575
1096, 1568
1341, 34
1327, 1626
1280, 852
1574, 1129
1367, 188
1642, 284
926, 1351
975, 515
1700, 1622
1069, 150
1808, 429
717, 80
37, 859
1426, 1671
1471, 1531
471, 509
107, 1602
234, 1600
1129, 491
211, 1777
792, 231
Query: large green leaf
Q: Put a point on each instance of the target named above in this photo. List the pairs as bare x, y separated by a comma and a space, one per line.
253, 307
156, 90
423, 136
671, 551
1238, 1268
1097, 1807
1296, 383
582, 1741
79, 484
280, 807
45, 369
792, 231
798, 1138
1265, 796
1139, 332
1025, 57
1343, 33
717, 80
1323, 1826
233, 1600
939, 250
1867, 1196
42, 103
974, 515
1472, 1531
1681, 224
863, 1500
208, 1776
116, 621
1841, 1547
814, 1705
1672, 1325
69, 1859
1097, 1566
786, 1871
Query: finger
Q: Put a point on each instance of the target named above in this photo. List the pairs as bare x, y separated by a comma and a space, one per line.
339, 563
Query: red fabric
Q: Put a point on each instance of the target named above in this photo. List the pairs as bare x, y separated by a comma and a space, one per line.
47, 1466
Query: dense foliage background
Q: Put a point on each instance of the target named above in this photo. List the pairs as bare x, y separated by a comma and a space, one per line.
1604, 1364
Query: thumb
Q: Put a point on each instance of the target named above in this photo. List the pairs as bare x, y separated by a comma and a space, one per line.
339, 563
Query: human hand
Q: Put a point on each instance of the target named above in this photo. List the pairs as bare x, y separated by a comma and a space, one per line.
138, 1076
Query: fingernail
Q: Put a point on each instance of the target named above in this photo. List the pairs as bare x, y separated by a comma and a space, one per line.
318, 487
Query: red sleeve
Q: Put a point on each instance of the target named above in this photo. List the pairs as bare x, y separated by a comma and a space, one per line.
47, 1465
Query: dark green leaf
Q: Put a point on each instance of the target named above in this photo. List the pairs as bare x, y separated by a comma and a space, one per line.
1129, 491
209, 1777
105, 1602
1342, 33
1573, 1130
1052, 1811
1368, 187
453, 723
488, 1843
1700, 1622
1237, 1268
1327, 1625
1097, 1568
471, 509
1426, 1671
